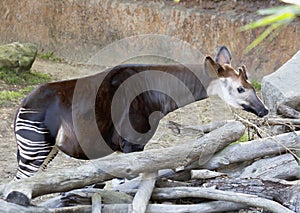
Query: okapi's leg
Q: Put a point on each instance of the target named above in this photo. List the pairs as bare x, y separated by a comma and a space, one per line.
34, 142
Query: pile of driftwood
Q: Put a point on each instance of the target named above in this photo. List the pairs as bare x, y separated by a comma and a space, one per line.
205, 175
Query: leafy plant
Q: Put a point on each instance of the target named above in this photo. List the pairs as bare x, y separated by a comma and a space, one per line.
15, 86
23, 78
256, 84
276, 18
49, 56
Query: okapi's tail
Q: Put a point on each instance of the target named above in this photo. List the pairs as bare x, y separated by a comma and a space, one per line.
34, 142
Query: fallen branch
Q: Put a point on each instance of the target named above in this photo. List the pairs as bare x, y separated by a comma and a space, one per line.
203, 128
84, 197
96, 203
205, 174
125, 165
214, 206
282, 121
287, 111
144, 192
240, 152
285, 192
280, 167
214, 194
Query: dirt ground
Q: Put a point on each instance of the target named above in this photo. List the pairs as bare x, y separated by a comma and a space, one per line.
193, 114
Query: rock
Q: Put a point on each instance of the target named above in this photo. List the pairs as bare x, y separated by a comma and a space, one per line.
283, 86
17, 56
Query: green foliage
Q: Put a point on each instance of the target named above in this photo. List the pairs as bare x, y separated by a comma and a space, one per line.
256, 84
244, 138
7, 97
23, 78
16, 85
49, 56
276, 18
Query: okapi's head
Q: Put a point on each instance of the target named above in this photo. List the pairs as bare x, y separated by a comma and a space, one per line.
233, 85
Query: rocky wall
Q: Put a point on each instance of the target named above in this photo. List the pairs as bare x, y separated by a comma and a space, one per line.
77, 29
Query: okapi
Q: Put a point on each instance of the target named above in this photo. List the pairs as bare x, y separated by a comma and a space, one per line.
93, 116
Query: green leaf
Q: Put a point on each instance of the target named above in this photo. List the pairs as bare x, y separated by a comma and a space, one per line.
280, 18
260, 38
279, 9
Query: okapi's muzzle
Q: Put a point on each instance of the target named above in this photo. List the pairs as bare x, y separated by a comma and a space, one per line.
255, 105
260, 111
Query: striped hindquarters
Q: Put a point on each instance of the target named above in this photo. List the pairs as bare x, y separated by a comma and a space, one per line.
34, 141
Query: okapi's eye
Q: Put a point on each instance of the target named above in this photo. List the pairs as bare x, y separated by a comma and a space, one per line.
241, 89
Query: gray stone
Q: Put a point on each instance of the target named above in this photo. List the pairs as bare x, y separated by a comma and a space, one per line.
17, 56
283, 86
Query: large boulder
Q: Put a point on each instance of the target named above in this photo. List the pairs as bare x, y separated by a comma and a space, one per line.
17, 56
283, 86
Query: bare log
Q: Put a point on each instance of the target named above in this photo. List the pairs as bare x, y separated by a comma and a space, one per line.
250, 150
83, 197
144, 192
281, 167
287, 111
214, 206
7, 207
73, 209
203, 128
126, 164
282, 121
96, 203
285, 192
205, 174
200, 192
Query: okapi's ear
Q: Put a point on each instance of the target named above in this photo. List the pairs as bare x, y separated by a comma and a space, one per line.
223, 56
243, 72
213, 68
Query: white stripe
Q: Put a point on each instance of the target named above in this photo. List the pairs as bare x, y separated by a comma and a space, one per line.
23, 174
34, 168
26, 141
18, 128
20, 120
24, 110
23, 155
38, 147
33, 152
19, 125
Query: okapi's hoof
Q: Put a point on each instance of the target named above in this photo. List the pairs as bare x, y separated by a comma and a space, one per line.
18, 198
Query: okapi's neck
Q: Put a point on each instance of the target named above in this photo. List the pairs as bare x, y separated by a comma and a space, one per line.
179, 85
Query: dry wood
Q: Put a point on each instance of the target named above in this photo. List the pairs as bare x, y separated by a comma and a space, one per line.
282, 121
287, 111
96, 203
285, 192
73, 209
281, 167
203, 128
144, 192
7, 207
83, 197
127, 164
205, 174
215, 206
250, 150
209, 193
